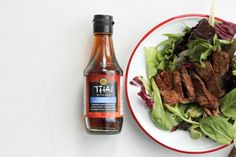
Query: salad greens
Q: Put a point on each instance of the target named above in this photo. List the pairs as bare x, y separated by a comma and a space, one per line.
193, 45
200, 45
218, 129
151, 61
195, 132
232, 48
162, 57
177, 111
228, 104
234, 66
194, 111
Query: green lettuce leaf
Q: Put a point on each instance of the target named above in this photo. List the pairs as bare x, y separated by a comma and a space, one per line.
177, 110
199, 50
195, 132
162, 56
220, 43
228, 104
194, 111
218, 129
151, 61
234, 65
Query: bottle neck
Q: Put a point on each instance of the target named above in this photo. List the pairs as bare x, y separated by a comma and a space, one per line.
103, 50
103, 56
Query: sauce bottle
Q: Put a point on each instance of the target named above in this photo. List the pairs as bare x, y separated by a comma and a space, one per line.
103, 110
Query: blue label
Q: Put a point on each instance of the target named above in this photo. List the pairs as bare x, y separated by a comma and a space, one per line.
103, 100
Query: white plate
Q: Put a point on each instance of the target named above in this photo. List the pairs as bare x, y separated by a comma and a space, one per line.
179, 140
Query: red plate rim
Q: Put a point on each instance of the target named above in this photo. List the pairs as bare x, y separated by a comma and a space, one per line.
126, 82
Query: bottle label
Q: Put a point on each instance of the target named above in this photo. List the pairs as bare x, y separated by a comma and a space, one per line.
121, 96
103, 96
84, 95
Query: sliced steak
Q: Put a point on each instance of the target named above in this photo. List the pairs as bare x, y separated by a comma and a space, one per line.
170, 97
164, 80
178, 87
220, 63
188, 85
177, 83
170, 86
204, 97
208, 75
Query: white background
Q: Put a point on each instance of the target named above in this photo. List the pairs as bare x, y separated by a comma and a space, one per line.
44, 48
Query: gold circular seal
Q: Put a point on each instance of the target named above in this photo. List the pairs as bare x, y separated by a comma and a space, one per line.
103, 81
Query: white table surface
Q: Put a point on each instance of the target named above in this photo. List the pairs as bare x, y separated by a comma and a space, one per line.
44, 48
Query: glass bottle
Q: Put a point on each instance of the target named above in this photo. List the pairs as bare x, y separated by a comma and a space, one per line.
103, 108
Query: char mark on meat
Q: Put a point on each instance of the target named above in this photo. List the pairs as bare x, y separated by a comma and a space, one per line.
177, 83
220, 63
208, 75
204, 97
188, 85
170, 86
164, 80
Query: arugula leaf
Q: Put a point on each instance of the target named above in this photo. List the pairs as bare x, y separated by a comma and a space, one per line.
194, 111
220, 43
199, 50
234, 65
174, 36
162, 65
151, 61
218, 129
178, 112
234, 72
187, 29
231, 50
173, 119
166, 56
161, 119
228, 104
162, 56
195, 132
172, 64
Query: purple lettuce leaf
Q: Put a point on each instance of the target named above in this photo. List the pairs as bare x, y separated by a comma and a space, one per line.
143, 93
225, 30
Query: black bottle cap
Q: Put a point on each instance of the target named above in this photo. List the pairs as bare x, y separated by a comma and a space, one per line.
103, 24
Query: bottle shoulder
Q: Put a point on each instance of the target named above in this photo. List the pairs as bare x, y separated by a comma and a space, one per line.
101, 70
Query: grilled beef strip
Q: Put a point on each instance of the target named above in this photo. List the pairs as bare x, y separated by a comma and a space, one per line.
188, 84
164, 80
170, 97
208, 75
204, 97
177, 83
220, 63
170, 86
179, 87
